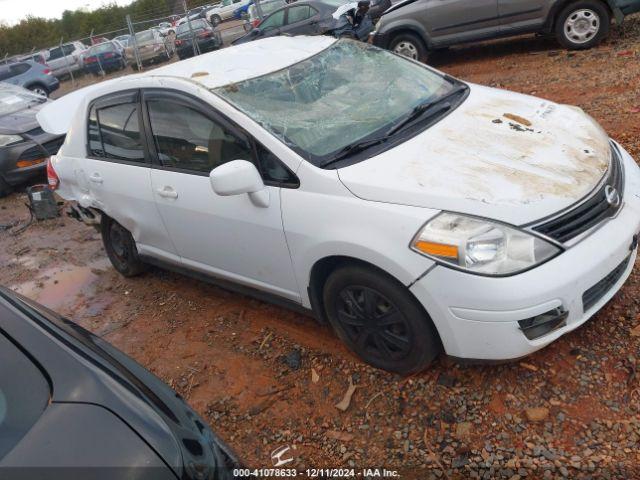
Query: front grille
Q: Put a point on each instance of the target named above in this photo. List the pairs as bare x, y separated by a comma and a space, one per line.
590, 213
50, 148
600, 289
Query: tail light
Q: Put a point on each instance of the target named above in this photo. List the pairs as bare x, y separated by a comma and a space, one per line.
52, 177
255, 23
178, 42
109, 55
46, 71
206, 34
90, 60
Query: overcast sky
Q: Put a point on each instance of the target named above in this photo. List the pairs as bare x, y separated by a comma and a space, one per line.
12, 11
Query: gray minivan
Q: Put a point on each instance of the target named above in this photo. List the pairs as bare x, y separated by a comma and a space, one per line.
413, 27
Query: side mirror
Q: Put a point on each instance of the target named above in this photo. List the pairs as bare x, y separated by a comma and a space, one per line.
239, 177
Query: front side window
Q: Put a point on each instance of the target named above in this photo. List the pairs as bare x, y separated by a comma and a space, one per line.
275, 20
345, 94
188, 140
23, 396
114, 133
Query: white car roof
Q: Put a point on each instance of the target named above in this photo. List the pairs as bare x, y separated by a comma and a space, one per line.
244, 61
211, 70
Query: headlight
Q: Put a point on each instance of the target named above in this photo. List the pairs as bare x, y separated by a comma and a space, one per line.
481, 246
9, 139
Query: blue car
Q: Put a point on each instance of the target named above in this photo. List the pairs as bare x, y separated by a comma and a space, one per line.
30, 75
242, 12
105, 57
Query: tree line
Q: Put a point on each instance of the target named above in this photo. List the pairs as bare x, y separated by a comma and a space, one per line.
36, 33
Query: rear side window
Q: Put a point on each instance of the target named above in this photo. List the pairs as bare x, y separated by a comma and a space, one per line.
300, 13
114, 133
55, 53
19, 68
23, 396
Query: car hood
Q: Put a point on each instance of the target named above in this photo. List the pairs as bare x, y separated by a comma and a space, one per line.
500, 155
21, 121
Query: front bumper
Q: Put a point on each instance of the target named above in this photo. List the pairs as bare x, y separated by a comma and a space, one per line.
477, 317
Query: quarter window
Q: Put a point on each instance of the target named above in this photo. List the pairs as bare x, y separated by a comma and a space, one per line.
114, 133
275, 20
188, 140
19, 68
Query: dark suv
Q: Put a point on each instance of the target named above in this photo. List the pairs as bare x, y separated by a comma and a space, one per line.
413, 27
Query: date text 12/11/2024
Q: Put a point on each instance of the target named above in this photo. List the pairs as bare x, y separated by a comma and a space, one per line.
316, 473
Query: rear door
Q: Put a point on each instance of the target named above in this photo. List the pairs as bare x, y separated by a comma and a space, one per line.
225, 236
456, 21
117, 171
301, 20
523, 14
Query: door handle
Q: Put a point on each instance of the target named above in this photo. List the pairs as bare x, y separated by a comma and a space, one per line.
167, 192
95, 178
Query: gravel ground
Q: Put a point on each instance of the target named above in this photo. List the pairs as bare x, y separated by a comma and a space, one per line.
266, 377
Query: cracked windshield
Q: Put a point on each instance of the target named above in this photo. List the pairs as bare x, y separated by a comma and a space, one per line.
339, 96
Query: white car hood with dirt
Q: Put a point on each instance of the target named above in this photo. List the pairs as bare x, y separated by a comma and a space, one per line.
499, 155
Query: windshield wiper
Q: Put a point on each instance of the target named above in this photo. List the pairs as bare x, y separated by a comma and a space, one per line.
421, 111
355, 148
427, 109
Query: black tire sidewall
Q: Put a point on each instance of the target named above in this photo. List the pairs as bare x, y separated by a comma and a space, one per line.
596, 6
130, 265
410, 37
425, 342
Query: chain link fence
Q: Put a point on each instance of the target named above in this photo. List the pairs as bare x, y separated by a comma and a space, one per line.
145, 41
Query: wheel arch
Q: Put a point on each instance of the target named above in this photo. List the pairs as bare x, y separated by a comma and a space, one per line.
324, 267
560, 5
411, 28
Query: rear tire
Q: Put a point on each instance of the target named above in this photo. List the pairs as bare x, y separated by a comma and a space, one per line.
583, 24
380, 320
410, 46
121, 248
40, 90
216, 20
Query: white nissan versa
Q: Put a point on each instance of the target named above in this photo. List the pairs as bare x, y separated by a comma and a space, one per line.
414, 212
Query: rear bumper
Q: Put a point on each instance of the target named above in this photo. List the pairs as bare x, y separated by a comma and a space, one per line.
477, 317
629, 7
111, 64
379, 39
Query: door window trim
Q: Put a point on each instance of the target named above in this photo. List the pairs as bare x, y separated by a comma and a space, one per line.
112, 100
208, 111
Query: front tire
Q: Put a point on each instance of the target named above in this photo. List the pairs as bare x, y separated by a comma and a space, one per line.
583, 24
410, 46
40, 90
380, 320
121, 248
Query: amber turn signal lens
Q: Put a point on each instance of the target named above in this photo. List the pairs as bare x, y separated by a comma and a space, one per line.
29, 163
437, 249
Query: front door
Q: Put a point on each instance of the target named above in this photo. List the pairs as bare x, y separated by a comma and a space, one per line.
522, 14
456, 21
230, 236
